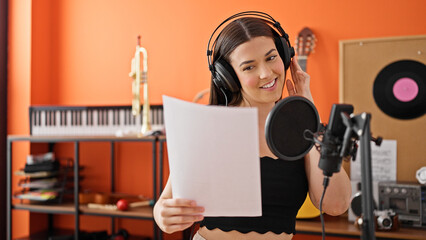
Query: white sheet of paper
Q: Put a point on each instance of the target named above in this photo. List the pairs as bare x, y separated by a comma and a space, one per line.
213, 156
383, 162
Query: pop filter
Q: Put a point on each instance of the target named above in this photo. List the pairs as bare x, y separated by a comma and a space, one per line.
286, 124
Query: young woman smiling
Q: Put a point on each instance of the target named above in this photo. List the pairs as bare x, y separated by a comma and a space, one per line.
249, 70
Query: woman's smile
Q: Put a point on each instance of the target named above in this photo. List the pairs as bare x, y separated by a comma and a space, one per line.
271, 85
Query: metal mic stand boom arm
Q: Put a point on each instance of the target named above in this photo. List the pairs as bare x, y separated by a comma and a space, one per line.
360, 124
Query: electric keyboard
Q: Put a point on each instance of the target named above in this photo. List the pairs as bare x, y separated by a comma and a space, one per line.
90, 121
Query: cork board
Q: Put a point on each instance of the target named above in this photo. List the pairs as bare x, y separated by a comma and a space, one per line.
360, 62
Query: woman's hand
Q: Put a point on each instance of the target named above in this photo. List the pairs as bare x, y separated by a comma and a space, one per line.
174, 215
301, 81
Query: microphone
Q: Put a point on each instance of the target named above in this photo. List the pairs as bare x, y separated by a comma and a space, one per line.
335, 143
294, 116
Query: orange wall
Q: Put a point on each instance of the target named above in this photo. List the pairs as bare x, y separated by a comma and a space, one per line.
82, 49
78, 52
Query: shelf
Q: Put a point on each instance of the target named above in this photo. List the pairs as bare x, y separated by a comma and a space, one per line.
68, 208
139, 213
44, 235
44, 208
340, 226
65, 234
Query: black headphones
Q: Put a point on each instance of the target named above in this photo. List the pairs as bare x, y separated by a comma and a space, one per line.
223, 75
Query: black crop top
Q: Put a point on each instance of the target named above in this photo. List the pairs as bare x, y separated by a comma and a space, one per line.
284, 187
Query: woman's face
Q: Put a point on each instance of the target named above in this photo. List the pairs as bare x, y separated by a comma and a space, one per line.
260, 70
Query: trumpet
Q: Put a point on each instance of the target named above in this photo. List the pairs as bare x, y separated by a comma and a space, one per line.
140, 76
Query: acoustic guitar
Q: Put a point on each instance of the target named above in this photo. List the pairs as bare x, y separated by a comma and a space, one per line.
305, 44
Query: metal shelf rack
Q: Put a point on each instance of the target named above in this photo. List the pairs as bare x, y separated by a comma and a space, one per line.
75, 208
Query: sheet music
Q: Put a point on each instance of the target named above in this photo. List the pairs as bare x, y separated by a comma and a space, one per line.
214, 157
383, 162
383, 167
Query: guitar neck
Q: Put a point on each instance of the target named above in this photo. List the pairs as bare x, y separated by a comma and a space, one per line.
302, 62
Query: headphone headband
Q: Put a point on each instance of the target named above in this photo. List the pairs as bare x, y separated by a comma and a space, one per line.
268, 18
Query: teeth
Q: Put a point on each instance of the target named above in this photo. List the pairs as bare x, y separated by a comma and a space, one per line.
269, 85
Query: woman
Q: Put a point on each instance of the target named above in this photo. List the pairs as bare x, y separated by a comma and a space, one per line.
249, 47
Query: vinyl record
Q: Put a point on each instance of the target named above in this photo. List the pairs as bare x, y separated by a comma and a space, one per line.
400, 89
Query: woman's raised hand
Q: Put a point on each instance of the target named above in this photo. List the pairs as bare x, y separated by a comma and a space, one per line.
301, 81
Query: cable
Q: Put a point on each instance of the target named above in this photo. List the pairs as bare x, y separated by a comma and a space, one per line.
325, 184
315, 137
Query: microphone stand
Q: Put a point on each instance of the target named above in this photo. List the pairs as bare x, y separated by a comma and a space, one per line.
360, 124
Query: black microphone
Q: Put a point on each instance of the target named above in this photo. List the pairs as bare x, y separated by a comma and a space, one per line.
286, 127
332, 149
330, 160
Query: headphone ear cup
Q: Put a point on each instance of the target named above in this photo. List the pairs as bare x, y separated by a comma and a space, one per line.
225, 76
286, 52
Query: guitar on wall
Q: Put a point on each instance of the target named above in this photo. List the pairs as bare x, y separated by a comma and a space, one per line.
305, 44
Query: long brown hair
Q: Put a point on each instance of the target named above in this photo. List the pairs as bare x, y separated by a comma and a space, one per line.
234, 34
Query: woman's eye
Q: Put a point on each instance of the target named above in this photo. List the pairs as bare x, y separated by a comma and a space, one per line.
248, 68
271, 58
